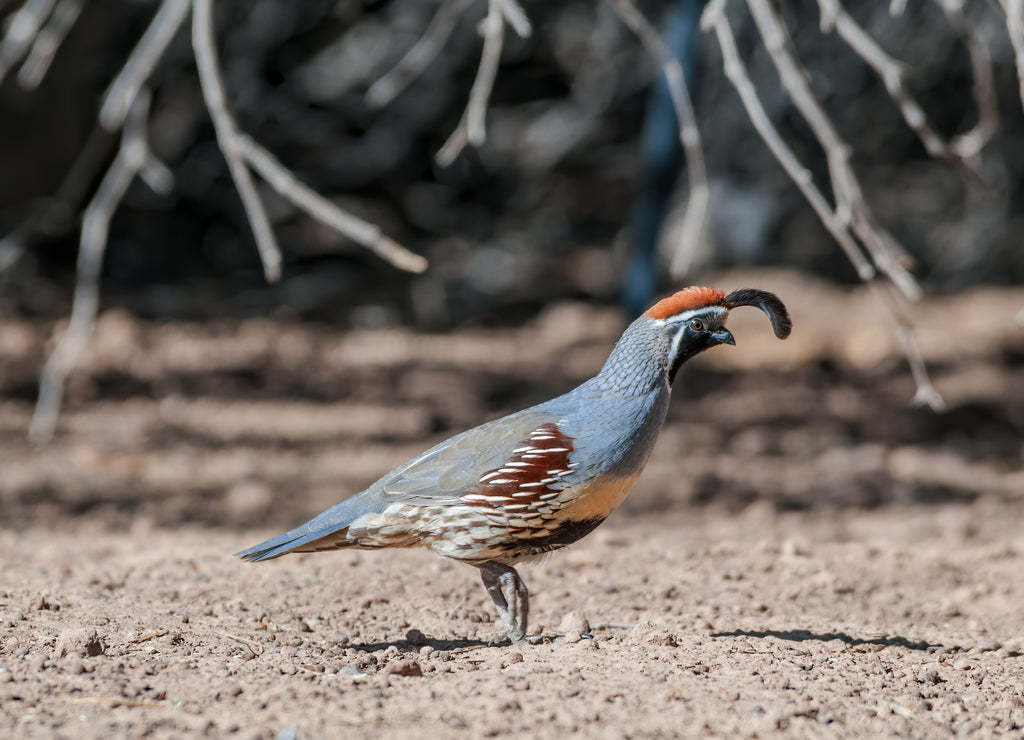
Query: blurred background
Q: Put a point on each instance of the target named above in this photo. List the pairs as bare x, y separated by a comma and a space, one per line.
208, 395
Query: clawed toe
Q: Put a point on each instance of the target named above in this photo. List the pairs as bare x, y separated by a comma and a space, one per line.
503, 639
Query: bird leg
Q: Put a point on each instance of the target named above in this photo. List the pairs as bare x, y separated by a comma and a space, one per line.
509, 594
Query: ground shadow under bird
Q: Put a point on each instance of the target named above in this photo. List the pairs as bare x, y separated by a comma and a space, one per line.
805, 635
405, 646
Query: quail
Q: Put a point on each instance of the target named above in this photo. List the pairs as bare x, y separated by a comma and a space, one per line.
542, 478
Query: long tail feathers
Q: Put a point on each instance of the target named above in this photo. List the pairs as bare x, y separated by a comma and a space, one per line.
330, 524
283, 544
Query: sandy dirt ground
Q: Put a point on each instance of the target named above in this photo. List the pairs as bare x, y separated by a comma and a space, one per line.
807, 555
902, 622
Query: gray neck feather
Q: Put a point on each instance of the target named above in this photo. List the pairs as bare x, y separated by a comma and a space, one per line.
639, 363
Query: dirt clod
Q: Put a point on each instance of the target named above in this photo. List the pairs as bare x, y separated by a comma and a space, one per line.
574, 621
79, 641
404, 668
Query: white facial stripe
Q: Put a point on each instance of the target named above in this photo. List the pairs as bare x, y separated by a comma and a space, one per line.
712, 313
676, 340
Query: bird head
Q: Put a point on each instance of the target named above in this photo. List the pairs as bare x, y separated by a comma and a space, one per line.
693, 320
678, 327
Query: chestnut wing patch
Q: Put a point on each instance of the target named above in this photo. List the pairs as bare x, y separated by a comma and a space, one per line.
522, 486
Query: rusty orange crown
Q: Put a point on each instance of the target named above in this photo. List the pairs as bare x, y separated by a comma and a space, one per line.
686, 299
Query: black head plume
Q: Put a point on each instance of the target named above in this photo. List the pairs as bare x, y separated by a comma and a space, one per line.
773, 308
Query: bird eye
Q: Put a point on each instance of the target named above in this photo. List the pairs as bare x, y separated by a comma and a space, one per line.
697, 325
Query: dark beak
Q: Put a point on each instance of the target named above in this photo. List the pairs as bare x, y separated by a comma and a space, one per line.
723, 336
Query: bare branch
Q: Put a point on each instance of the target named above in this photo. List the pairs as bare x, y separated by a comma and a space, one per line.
134, 159
969, 144
472, 128
157, 176
695, 218
241, 152
925, 395
884, 250
141, 62
516, 17
228, 137
23, 29
833, 15
801, 176
362, 232
1014, 10
420, 56
48, 40
131, 158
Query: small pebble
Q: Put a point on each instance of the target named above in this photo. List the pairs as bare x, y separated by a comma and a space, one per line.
932, 676
404, 668
574, 622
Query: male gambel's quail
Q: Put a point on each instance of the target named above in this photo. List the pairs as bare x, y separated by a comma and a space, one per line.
541, 478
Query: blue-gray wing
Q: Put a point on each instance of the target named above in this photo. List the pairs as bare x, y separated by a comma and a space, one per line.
444, 472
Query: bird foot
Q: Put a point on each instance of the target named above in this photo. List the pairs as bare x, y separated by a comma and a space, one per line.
505, 639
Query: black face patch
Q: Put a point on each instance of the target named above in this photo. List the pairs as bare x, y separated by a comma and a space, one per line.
690, 344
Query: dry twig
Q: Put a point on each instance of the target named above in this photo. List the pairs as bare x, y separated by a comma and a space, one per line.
22, 31
241, 153
835, 17
1014, 10
46, 43
142, 61
360, 231
714, 18
925, 395
695, 218
969, 144
131, 159
228, 137
885, 252
472, 128
255, 647
148, 636
420, 56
